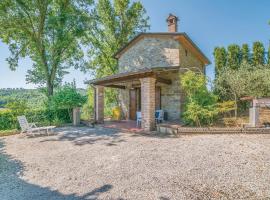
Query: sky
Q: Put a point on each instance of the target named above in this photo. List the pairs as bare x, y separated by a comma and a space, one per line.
209, 23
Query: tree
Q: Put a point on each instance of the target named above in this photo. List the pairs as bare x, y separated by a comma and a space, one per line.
49, 32
233, 56
232, 84
114, 25
200, 106
258, 54
245, 81
245, 53
220, 59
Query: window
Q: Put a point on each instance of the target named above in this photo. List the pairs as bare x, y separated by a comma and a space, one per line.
186, 52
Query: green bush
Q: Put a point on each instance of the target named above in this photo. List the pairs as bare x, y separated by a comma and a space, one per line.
8, 118
67, 97
201, 105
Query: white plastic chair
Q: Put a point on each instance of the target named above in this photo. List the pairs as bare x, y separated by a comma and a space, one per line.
159, 116
30, 128
139, 118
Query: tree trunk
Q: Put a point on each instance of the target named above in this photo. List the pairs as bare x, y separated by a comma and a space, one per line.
49, 89
236, 107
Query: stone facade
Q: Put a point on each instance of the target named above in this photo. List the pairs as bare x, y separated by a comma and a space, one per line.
149, 53
171, 97
148, 103
188, 60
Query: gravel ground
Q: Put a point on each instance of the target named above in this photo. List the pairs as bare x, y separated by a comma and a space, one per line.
84, 163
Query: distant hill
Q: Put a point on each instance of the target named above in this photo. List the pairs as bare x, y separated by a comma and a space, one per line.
33, 97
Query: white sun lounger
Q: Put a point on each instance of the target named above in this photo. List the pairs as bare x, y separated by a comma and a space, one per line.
31, 128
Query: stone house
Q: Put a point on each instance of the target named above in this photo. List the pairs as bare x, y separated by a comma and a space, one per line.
150, 67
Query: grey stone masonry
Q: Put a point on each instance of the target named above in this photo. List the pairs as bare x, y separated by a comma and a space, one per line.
149, 53
171, 97
148, 103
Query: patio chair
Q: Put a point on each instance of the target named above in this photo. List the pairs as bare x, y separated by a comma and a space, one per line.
31, 128
139, 118
159, 115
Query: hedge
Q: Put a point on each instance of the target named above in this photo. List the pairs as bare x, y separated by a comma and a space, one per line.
8, 119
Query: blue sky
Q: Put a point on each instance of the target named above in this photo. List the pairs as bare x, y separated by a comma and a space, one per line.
209, 23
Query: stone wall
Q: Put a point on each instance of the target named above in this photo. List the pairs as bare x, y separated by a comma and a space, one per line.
171, 97
150, 52
188, 60
264, 115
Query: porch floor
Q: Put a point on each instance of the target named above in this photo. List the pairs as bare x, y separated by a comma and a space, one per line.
126, 125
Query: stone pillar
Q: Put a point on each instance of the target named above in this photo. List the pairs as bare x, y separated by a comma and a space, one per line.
254, 116
148, 103
76, 116
99, 104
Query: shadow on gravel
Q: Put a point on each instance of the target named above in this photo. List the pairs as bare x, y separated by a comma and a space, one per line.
13, 187
85, 135
155, 134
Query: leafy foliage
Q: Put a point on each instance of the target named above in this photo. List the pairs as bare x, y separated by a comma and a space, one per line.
226, 107
23, 102
245, 53
200, 106
34, 98
66, 97
233, 56
246, 81
258, 53
116, 22
114, 25
49, 32
8, 119
88, 107
220, 59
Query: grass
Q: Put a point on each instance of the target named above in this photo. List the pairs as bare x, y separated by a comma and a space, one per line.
8, 132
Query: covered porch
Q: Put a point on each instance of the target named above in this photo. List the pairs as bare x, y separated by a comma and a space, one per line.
139, 91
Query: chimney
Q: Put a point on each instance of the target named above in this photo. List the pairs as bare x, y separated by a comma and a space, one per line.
172, 23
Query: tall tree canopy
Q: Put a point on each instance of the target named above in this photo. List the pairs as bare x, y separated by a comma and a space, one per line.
245, 53
220, 58
116, 23
247, 80
49, 32
233, 56
258, 53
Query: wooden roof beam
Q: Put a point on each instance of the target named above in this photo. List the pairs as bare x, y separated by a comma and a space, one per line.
163, 80
116, 86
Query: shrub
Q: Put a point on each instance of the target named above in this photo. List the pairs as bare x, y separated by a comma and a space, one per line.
200, 106
8, 118
66, 97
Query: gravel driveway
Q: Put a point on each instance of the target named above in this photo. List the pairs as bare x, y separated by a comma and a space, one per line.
85, 163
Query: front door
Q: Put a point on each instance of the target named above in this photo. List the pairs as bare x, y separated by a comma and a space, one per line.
132, 104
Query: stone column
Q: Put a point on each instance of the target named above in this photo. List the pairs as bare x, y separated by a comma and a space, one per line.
99, 104
148, 103
254, 116
76, 116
